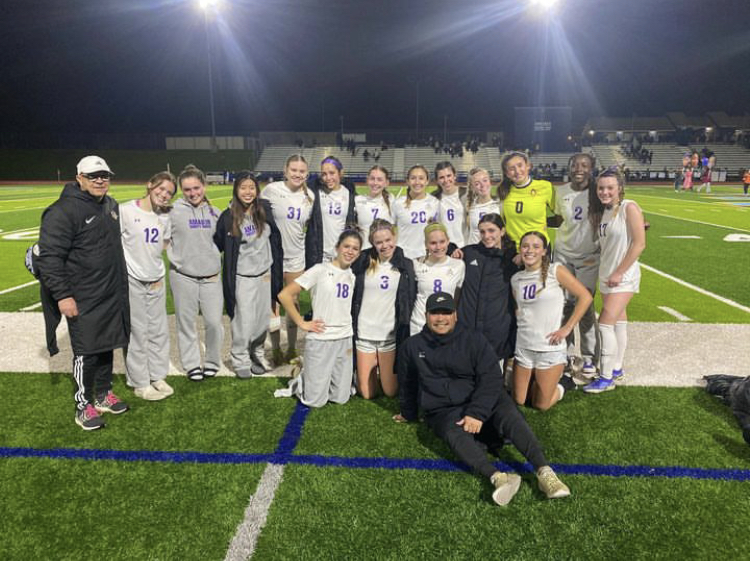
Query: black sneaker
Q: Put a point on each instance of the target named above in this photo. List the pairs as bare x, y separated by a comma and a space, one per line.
567, 383
209, 372
89, 418
110, 403
195, 375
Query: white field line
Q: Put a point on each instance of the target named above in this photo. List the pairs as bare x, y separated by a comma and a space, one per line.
32, 307
19, 287
674, 313
698, 289
245, 538
22, 209
710, 202
695, 221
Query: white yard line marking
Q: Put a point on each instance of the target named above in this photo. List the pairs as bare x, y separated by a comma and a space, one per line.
245, 538
696, 221
682, 237
22, 209
703, 291
674, 313
32, 307
19, 287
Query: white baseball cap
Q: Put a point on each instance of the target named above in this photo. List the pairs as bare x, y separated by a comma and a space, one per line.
92, 164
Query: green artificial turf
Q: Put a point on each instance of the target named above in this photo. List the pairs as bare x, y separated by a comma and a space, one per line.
78, 509
334, 513
219, 415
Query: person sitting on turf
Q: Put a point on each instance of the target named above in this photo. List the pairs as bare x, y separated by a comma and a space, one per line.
453, 374
735, 391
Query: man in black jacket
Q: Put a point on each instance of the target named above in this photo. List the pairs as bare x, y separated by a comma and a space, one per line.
82, 266
453, 374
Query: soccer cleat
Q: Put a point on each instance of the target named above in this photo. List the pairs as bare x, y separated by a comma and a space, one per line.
588, 368
110, 403
506, 487
550, 484
195, 375
88, 418
162, 387
618, 373
567, 382
599, 385
149, 393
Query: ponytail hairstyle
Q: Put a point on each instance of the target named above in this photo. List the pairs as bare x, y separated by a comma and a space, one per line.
545, 256
386, 195
497, 220
596, 208
470, 194
299, 158
335, 162
192, 171
429, 229
440, 166
377, 225
504, 188
239, 209
159, 178
408, 189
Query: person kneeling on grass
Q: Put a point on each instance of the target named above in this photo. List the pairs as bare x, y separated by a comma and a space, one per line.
453, 374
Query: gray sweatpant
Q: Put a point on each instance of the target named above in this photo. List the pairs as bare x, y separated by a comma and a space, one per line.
587, 273
147, 355
192, 295
327, 372
252, 315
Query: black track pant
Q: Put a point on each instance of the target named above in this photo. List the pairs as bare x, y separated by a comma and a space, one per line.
506, 421
93, 376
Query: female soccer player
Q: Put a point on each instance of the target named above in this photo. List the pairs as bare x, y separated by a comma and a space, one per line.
450, 195
525, 201
622, 236
291, 205
252, 272
376, 204
332, 211
486, 304
540, 344
327, 366
479, 201
413, 212
384, 296
435, 272
578, 250
146, 231
194, 275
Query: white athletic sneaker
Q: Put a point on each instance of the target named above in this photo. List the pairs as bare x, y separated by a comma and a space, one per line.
506, 487
550, 484
162, 387
149, 393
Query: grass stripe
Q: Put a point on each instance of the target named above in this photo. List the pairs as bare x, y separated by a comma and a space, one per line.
20, 286
695, 221
703, 291
417, 464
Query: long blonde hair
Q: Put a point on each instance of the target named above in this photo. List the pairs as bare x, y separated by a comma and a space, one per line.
299, 158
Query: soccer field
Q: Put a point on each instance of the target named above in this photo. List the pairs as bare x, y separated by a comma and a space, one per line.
222, 469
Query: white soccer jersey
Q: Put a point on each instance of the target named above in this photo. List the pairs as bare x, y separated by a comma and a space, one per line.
452, 216
440, 277
368, 209
574, 238
143, 236
291, 211
377, 316
539, 310
476, 212
615, 241
331, 289
411, 222
333, 209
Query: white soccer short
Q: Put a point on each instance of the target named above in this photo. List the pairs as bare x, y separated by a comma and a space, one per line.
540, 359
371, 347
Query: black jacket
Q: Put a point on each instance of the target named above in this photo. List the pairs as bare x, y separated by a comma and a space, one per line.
486, 302
406, 293
454, 371
80, 256
229, 246
314, 234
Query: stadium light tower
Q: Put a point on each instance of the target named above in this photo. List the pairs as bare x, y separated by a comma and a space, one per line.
206, 6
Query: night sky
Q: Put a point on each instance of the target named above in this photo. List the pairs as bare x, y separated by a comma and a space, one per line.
141, 65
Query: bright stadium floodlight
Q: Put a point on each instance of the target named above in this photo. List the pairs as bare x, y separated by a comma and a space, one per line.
212, 5
544, 4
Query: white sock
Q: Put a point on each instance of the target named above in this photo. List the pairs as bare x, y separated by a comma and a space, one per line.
621, 333
609, 349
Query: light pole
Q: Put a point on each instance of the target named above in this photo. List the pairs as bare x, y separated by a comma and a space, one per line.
207, 5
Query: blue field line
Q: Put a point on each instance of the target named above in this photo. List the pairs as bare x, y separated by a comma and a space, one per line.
424, 464
293, 430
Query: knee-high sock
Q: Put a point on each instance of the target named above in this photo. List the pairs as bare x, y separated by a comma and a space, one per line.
609, 349
621, 333
291, 333
275, 339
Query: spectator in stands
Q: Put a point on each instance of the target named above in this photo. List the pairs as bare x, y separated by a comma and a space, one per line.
746, 181
291, 204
